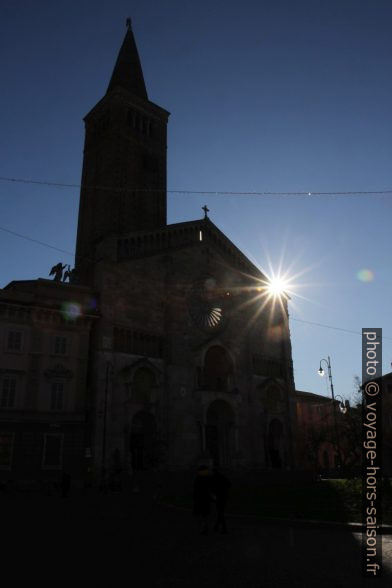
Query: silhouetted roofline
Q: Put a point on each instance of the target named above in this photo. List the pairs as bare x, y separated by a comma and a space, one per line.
211, 235
27, 285
312, 396
127, 72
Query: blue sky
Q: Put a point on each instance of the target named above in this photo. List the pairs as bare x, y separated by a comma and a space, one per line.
281, 96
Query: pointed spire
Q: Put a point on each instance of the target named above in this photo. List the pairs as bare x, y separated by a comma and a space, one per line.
128, 72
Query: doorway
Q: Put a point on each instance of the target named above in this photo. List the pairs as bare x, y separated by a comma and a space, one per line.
142, 441
220, 427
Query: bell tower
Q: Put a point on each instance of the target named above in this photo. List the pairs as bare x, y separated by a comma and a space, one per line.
124, 165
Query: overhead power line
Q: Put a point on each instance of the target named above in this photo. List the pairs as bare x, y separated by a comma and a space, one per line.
27, 238
331, 327
202, 192
195, 192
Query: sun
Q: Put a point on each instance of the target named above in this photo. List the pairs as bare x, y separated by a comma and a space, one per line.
277, 286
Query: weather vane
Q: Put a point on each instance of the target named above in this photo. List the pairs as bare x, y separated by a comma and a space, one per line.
205, 210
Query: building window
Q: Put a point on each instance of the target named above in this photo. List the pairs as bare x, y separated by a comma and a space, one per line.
57, 396
60, 345
127, 341
6, 448
8, 393
140, 123
142, 385
218, 369
53, 451
14, 341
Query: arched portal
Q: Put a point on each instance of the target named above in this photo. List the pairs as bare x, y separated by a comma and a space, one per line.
218, 369
142, 440
220, 431
275, 433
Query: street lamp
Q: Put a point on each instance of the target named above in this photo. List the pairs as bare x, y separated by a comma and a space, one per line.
342, 404
321, 373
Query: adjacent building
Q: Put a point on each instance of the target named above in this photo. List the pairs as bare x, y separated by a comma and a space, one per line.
329, 434
45, 329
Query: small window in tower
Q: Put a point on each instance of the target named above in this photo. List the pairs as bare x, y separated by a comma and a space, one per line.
102, 124
200, 235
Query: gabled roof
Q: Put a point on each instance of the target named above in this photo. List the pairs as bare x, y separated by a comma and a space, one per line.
190, 233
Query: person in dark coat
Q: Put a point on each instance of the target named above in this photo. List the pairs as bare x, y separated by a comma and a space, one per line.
220, 488
202, 498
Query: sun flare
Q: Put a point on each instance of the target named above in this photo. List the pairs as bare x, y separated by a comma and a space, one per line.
277, 286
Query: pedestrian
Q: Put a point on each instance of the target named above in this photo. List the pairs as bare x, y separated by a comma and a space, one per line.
202, 497
220, 488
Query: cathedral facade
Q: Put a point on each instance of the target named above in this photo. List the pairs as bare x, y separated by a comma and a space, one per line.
185, 357
191, 361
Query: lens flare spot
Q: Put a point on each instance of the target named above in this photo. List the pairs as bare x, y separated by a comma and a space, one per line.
365, 275
274, 334
71, 311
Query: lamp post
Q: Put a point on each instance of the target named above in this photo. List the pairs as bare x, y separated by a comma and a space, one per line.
321, 373
342, 403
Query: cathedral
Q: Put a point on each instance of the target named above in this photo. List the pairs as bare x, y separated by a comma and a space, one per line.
172, 353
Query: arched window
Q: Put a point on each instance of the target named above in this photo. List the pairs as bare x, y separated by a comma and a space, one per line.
218, 369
